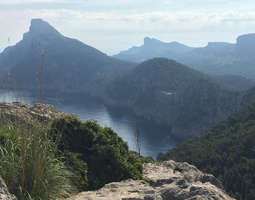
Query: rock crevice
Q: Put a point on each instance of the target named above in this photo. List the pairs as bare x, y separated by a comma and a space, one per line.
167, 181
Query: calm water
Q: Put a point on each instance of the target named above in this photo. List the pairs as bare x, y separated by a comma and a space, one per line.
154, 139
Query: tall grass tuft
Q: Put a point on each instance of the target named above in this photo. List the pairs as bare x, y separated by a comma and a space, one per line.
30, 165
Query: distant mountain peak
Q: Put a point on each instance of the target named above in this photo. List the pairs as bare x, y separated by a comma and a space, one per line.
41, 27
249, 35
152, 41
246, 45
153, 48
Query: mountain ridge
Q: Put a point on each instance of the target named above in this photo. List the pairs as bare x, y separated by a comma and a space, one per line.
152, 90
157, 47
216, 58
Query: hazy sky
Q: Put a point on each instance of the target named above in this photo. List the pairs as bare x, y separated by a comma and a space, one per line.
114, 25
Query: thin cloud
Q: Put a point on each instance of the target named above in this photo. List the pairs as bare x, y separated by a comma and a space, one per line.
15, 2
114, 25
40, 4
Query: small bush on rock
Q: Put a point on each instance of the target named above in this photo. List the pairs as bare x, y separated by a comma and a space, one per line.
106, 155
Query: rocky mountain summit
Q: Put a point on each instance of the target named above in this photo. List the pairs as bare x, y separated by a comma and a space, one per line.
29, 113
4, 193
68, 65
166, 181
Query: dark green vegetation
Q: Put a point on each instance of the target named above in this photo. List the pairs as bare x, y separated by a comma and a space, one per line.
217, 58
37, 164
227, 150
52, 163
105, 155
170, 93
235, 82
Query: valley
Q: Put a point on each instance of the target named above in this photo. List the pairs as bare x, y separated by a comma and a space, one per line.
163, 100
159, 90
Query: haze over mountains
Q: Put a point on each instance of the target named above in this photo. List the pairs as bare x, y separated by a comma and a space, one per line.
172, 94
217, 58
160, 90
190, 96
153, 48
66, 64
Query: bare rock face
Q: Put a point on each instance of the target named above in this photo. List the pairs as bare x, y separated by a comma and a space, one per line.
4, 193
29, 113
168, 181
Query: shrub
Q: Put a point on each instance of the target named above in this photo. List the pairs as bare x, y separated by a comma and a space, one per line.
107, 156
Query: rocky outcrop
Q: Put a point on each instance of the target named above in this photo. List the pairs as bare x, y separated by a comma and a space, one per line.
29, 113
167, 181
4, 193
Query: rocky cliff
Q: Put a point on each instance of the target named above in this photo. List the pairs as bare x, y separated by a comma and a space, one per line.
166, 181
4, 193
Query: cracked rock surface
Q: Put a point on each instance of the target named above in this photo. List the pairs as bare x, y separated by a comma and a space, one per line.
167, 181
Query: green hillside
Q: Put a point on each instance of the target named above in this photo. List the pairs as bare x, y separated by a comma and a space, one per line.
172, 94
227, 150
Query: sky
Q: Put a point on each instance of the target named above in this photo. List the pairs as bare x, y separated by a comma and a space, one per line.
115, 25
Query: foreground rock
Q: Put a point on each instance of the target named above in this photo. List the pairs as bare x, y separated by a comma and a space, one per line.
29, 113
167, 181
4, 193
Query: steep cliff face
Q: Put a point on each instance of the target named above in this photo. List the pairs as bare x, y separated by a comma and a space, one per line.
4, 193
170, 180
